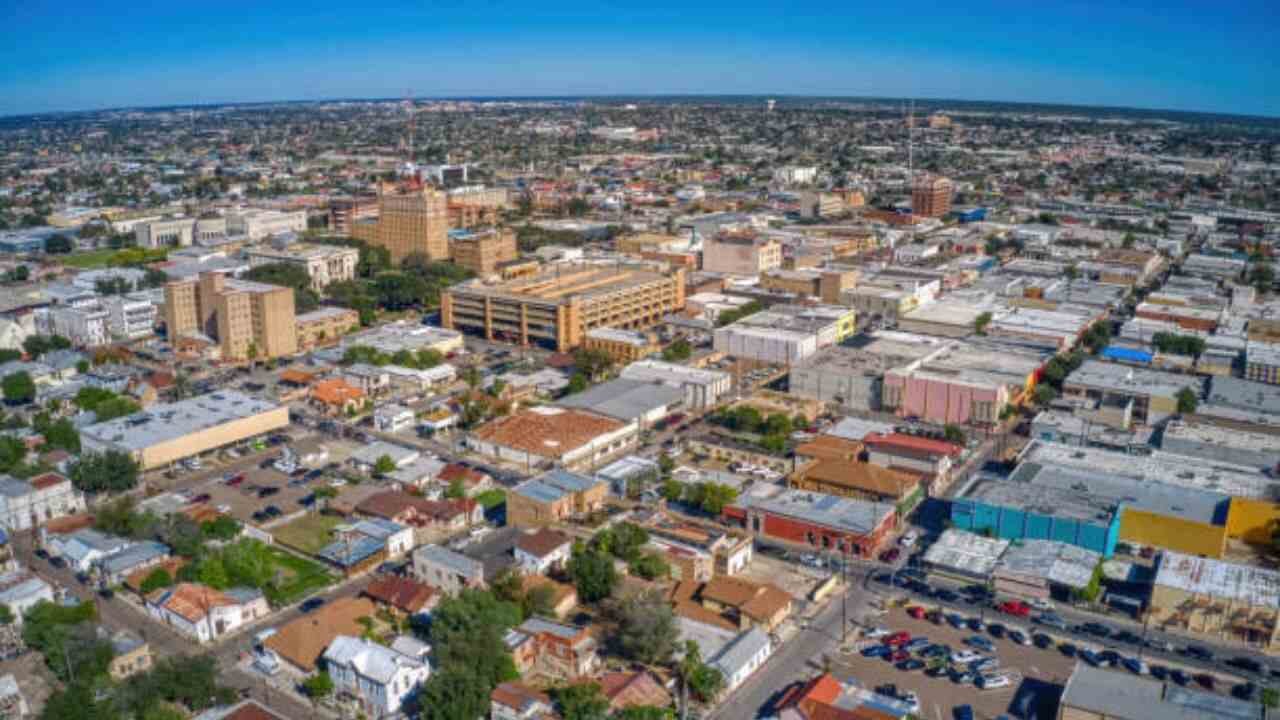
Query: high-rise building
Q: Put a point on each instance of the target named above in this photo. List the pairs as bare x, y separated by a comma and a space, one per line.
249, 320
416, 221
482, 252
931, 196
345, 212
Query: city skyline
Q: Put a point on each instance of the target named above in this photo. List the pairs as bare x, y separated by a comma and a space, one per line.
1166, 57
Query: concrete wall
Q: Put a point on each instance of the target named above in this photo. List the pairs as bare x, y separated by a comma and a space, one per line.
164, 453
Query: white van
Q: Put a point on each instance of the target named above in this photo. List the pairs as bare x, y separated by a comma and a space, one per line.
991, 682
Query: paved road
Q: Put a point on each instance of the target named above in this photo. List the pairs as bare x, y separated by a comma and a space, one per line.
795, 659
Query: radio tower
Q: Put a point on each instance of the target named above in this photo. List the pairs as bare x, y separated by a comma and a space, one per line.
409, 124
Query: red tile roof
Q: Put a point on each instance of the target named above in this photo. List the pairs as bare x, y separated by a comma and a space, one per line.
543, 542
401, 593
912, 442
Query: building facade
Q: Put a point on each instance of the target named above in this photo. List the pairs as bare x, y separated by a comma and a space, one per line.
414, 222
740, 253
249, 320
931, 196
324, 264
483, 251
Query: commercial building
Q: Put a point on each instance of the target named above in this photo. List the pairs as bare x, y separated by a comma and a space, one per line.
559, 305
1262, 362
130, 317
1243, 400
1153, 393
852, 375
324, 264
1041, 569
822, 521
553, 497
703, 389
167, 232
964, 555
324, 326
483, 251
344, 213
629, 401
963, 384
1212, 597
249, 320
169, 432
740, 253
786, 334
258, 224
543, 436
1096, 693
84, 326
623, 346
795, 174
1223, 441
416, 221
850, 478
931, 196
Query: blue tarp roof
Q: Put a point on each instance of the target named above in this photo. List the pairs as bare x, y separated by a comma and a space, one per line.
1129, 354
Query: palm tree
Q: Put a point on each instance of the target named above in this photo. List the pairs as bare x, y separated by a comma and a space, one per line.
181, 385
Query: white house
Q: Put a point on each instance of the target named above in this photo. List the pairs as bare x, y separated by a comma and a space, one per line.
202, 613
393, 418
21, 590
396, 538
742, 657
540, 551
379, 677
27, 503
82, 549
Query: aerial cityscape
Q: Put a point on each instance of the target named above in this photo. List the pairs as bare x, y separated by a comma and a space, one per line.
603, 395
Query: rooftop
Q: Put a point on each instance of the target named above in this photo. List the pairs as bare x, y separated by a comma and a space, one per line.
657, 370
546, 431
559, 282
624, 399
1244, 584
165, 422
1057, 562
966, 552
847, 514
1121, 696
1132, 380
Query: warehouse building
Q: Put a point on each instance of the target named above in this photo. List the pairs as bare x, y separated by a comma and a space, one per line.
703, 389
965, 384
631, 401
786, 334
1223, 441
1043, 569
544, 436
1220, 599
1154, 393
557, 306
1095, 693
852, 375
165, 433
965, 556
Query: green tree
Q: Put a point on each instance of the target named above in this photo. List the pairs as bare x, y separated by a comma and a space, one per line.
953, 434
158, 578
288, 275
384, 465
642, 627
470, 656
12, 452
672, 490
318, 686
58, 245
62, 434
456, 490
665, 464
577, 383
1188, 400
115, 407
593, 574
581, 701
1044, 394
696, 677
6, 615
19, 388
213, 573
678, 351
715, 496
981, 322
110, 471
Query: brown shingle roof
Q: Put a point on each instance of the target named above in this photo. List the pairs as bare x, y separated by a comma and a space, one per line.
695, 612
548, 432
251, 710
543, 542
860, 476
830, 447
628, 689
301, 641
401, 593
731, 591
767, 604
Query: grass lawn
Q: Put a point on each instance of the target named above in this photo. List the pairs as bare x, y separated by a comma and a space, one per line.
299, 577
88, 259
490, 499
308, 533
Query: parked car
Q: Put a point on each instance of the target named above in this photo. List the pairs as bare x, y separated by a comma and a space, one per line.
1135, 666
946, 596
991, 682
1179, 677
875, 633
917, 643
890, 555
267, 492
1017, 608
57, 562
1041, 604
1042, 641
312, 604
898, 656
901, 637
962, 712
1199, 652
1019, 637
1097, 629
1246, 664
996, 630
1246, 691
201, 498
872, 651
1067, 649
1204, 680
916, 612
1125, 636
1052, 620
911, 665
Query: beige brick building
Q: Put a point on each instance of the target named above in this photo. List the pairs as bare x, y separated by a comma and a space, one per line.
558, 305
740, 253
482, 252
413, 222
324, 326
248, 319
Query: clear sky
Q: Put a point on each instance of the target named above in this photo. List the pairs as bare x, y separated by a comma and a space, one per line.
1176, 54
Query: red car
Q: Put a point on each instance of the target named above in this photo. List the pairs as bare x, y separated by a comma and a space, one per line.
916, 612
236, 480
897, 657
1016, 608
902, 637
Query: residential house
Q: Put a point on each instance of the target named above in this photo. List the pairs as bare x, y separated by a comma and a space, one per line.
205, 614
115, 567
380, 678
393, 418
20, 590
552, 497
431, 519
743, 656
403, 595
132, 655
24, 504
633, 689
450, 571
749, 603
553, 650
243, 710
514, 701
82, 549
543, 550
334, 396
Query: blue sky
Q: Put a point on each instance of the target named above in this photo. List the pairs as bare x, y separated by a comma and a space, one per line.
1175, 54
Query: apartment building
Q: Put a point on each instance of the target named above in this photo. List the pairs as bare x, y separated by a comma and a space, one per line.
483, 251
553, 497
740, 253
557, 306
130, 317
931, 196
324, 264
84, 326
249, 320
324, 326
25, 504
344, 213
412, 222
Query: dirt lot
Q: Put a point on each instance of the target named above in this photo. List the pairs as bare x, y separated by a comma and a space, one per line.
795, 579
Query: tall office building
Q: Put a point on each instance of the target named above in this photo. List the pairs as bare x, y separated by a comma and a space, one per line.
482, 252
931, 196
416, 221
246, 318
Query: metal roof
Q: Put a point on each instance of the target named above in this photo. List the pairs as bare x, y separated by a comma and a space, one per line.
625, 399
1123, 696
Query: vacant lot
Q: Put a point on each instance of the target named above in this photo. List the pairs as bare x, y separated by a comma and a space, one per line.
297, 577
308, 533
90, 259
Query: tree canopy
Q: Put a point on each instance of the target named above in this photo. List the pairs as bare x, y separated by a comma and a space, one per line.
110, 471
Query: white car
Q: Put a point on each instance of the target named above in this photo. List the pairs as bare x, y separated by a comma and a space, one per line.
991, 682
909, 539
1041, 604
875, 633
912, 700
963, 657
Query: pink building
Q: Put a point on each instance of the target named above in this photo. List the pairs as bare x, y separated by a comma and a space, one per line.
963, 386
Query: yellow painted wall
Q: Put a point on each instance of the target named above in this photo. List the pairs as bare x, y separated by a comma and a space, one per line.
1251, 520
1193, 538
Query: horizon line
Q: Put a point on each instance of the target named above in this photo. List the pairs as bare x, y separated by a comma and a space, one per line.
623, 96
